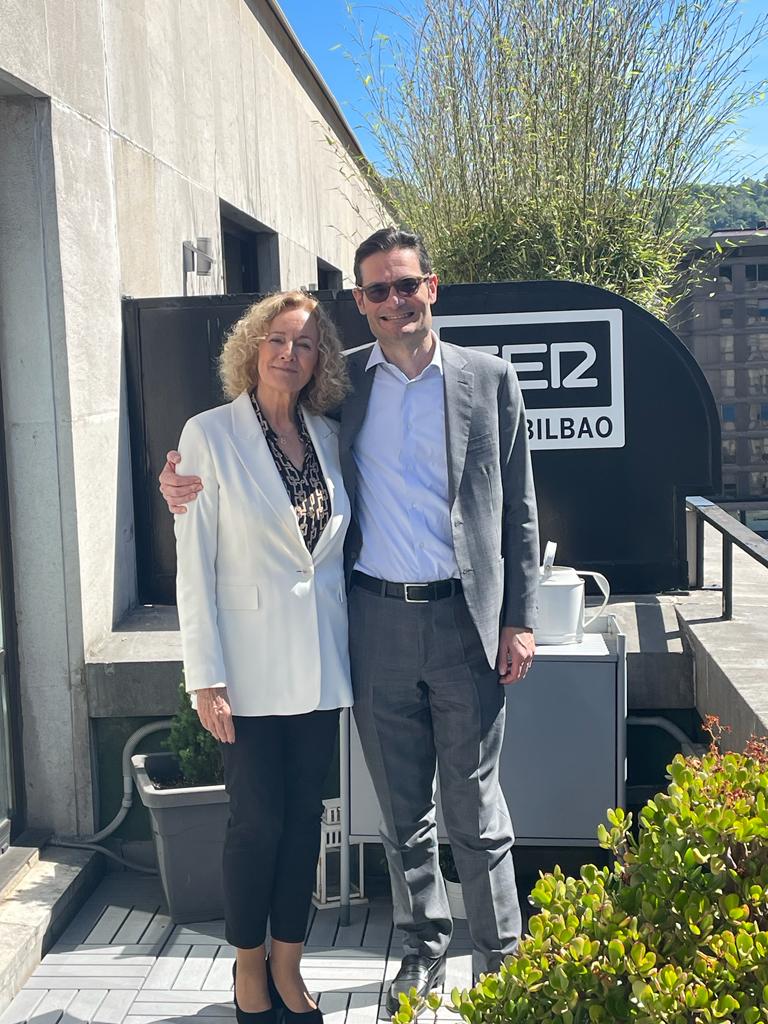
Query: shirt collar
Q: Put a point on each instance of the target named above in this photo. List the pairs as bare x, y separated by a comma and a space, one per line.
377, 358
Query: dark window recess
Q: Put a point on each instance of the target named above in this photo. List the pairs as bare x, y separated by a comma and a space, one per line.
251, 256
177, 339
729, 413
726, 271
241, 265
328, 277
756, 273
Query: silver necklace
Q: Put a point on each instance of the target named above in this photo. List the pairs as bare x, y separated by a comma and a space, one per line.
282, 438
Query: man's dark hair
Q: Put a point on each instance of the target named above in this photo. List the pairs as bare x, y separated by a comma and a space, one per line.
388, 239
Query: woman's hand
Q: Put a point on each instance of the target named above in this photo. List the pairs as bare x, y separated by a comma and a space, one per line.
215, 714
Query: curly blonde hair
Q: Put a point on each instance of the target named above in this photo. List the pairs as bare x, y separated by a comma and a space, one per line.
238, 362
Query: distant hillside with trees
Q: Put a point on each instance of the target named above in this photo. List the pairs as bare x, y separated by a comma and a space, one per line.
731, 206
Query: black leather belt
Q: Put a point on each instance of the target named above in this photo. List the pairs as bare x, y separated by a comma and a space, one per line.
412, 593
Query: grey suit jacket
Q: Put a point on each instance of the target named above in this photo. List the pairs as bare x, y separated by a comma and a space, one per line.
493, 504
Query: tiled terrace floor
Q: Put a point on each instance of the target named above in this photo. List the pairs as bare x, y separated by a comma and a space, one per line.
122, 961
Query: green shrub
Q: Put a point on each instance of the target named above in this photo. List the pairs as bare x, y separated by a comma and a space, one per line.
675, 932
196, 750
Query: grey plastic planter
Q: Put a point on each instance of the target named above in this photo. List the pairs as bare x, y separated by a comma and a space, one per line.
188, 828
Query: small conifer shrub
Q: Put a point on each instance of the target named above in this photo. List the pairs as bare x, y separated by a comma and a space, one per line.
195, 749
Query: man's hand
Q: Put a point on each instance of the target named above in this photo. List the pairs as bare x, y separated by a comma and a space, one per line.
516, 650
178, 490
215, 714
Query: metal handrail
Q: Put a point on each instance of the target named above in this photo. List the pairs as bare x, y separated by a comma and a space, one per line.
733, 532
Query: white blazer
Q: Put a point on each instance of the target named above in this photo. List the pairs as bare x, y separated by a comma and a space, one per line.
257, 611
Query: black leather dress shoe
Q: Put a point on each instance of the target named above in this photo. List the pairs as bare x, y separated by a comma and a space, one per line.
423, 973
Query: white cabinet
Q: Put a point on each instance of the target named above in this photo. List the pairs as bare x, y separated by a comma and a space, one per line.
563, 762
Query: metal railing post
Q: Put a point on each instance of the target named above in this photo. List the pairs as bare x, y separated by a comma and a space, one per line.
344, 885
727, 577
733, 533
699, 551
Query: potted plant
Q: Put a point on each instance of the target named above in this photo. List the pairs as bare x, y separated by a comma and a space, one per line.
188, 807
675, 932
452, 883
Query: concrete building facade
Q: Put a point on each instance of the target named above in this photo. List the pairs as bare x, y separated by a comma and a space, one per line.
128, 128
725, 324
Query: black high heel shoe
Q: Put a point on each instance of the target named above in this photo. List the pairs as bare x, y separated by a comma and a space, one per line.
243, 1016
284, 1014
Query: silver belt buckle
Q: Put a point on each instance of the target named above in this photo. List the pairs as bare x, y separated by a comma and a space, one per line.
414, 600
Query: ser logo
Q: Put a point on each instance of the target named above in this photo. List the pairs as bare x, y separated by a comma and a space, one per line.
570, 365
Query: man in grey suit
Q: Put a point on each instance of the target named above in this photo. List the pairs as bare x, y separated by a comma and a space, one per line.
442, 561
435, 457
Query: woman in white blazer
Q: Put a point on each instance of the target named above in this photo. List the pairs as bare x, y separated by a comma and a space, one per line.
262, 610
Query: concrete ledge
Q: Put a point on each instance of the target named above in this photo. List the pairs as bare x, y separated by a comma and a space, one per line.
731, 684
137, 668
19, 859
731, 658
680, 654
127, 689
38, 910
659, 679
659, 669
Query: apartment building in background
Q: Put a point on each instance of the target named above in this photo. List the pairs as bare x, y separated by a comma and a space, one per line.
724, 323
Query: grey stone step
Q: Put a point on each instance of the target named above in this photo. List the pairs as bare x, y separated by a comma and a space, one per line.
19, 859
37, 910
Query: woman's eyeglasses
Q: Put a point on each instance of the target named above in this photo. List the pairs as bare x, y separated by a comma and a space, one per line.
404, 286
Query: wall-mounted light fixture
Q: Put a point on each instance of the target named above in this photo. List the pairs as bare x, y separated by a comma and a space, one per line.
197, 257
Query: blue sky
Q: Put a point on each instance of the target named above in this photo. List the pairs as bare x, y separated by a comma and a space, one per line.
323, 26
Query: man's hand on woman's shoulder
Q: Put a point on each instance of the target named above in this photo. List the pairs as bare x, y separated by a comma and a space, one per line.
178, 490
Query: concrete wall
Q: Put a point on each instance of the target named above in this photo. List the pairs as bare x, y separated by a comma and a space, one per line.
41, 472
153, 111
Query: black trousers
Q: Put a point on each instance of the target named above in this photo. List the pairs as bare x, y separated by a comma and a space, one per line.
274, 774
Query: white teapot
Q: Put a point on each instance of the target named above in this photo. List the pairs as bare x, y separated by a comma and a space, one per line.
561, 601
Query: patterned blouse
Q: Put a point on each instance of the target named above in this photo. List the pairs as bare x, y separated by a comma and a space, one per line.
306, 488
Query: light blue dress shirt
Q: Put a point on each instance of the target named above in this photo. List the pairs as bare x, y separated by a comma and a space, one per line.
402, 474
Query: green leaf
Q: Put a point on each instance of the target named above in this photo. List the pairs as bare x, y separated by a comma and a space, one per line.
724, 1005
615, 951
637, 953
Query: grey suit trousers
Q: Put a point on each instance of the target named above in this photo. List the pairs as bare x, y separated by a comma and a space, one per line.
425, 696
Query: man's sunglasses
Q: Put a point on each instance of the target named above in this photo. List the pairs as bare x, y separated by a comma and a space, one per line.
404, 286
